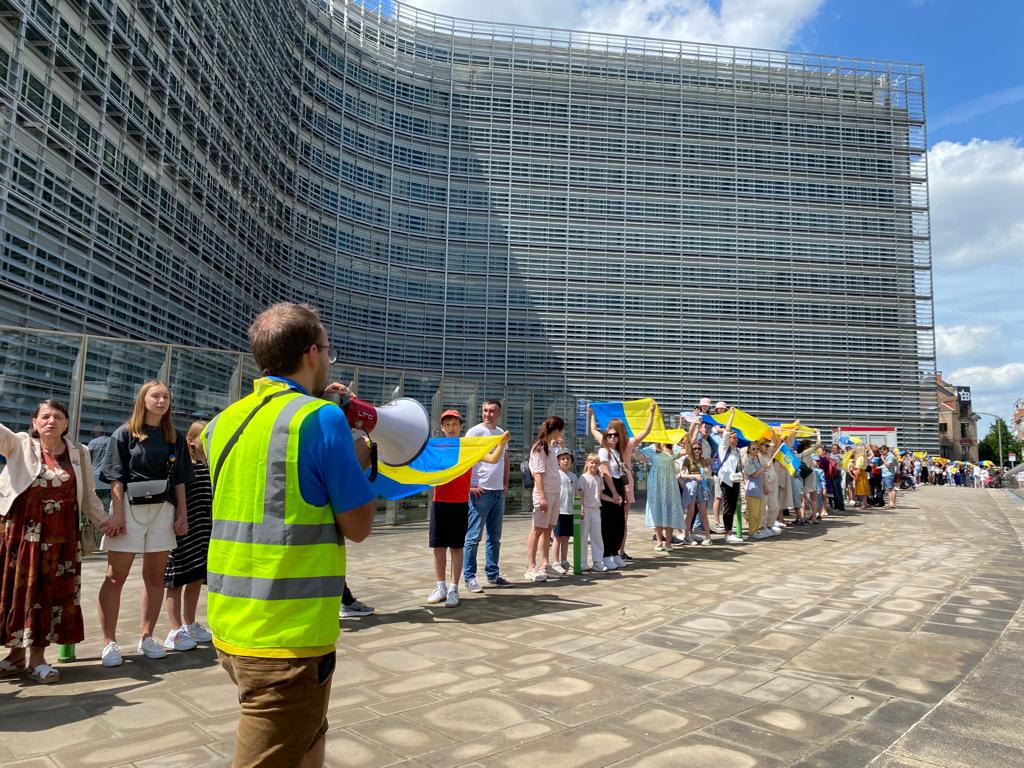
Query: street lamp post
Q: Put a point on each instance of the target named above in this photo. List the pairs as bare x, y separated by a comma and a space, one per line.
999, 434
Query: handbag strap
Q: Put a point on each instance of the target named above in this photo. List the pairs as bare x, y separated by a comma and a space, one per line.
238, 433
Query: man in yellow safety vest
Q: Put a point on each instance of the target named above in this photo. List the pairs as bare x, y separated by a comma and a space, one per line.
289, 489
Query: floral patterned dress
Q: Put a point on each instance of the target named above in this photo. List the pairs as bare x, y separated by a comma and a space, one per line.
41, 581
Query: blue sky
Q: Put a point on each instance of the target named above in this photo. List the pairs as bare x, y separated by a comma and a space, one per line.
974, 87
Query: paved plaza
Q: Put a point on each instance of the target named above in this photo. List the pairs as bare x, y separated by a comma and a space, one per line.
885, 638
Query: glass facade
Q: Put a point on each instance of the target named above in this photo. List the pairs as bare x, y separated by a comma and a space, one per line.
564, 212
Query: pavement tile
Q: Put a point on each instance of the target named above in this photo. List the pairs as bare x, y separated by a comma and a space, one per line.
852, 635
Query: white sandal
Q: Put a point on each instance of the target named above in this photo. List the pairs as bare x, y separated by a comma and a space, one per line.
45, 674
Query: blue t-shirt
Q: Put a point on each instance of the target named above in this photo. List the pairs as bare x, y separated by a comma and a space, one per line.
328, 469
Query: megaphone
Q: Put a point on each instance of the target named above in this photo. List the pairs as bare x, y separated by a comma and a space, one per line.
399, 429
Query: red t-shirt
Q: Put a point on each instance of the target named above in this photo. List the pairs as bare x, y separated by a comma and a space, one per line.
454, 490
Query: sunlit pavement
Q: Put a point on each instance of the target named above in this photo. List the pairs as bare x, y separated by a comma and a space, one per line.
893, 636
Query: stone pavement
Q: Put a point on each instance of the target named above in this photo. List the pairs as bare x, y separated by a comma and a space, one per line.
892, 637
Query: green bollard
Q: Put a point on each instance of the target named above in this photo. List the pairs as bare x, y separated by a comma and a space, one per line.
739, 516
66, 652
577, 546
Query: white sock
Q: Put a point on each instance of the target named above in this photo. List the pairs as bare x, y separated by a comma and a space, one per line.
442, 584
453, 588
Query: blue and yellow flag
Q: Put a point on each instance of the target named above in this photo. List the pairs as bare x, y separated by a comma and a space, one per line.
748, 428
442, 460
787, 458
635, 414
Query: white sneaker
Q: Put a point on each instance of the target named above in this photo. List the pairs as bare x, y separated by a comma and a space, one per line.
706, 542
762, 534
453, 597
732, 538
439, 595
179, 640
551, 572
599, 566
567, 567
610, 564
779, 524
773, 530
151, 649
558, 568
619, 562
473, 585
535, 574
200, 633
111, 656
584, 567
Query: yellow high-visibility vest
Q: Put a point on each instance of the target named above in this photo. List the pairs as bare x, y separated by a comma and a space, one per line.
276, 564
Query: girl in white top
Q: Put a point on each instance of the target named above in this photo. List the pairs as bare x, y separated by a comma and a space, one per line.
613, 521
547, 488
589, 488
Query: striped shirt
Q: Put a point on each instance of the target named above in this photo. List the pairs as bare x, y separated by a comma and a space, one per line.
187, 562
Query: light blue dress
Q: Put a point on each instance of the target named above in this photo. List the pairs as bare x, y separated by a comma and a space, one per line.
664, 507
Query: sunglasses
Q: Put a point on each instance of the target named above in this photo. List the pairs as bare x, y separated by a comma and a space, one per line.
612, 434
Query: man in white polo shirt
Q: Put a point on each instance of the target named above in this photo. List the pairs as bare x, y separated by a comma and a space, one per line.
487, 489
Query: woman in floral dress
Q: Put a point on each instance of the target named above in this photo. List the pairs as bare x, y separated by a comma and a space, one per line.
45, 486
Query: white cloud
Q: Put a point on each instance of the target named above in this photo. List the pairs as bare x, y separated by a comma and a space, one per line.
976, 193
963, 340
755, 23
994, 388
1003, 377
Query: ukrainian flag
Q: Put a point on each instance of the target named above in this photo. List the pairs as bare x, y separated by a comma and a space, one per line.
787, 458
442, 460
635, 414
846, 442
748, 428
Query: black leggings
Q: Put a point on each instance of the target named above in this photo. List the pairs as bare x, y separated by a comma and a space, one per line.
613, 518
730, 496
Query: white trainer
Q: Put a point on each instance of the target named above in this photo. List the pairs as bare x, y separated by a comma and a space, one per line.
732, 538
599, 566
179, 640
111, 656
439, 595
619, 562
609, 563
200, 633
453, 596
151, 649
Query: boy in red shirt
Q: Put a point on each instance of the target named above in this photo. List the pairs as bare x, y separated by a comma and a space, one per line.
449, 517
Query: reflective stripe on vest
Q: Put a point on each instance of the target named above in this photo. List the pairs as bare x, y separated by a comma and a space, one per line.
276, 563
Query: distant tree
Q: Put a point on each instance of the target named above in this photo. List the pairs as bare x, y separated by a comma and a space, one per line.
988, 447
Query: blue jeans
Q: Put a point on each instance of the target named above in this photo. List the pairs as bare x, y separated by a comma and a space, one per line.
486, 511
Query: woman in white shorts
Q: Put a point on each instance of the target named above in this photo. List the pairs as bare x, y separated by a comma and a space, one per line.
147, 465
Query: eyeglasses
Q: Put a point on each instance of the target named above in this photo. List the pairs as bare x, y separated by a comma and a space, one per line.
332, 352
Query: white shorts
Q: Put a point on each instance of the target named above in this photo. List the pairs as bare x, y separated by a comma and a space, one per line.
150, 528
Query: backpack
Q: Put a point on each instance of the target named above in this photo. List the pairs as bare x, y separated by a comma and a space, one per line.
527, 474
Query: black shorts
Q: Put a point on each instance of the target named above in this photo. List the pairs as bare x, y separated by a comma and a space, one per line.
564, 525
448, 523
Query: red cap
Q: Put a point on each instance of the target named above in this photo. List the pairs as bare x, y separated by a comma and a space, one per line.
451, 412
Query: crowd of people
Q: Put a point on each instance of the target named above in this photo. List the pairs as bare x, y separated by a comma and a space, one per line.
266, 529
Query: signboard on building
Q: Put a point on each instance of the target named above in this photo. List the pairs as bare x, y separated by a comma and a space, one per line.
1013, 458
581, 417
963, 398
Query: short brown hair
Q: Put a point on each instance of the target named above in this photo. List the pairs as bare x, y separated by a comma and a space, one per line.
55, 405
280, 335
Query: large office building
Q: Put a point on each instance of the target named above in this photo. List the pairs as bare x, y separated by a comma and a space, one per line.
570, 212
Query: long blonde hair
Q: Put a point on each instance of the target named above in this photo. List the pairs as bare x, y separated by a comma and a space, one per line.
137, 421
193, 432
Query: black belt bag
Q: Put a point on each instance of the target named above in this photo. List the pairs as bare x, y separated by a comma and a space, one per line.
147, 492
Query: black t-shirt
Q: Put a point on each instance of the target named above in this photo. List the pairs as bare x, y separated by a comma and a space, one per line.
130, 460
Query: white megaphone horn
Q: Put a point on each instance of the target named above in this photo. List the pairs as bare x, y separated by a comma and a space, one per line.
399, 430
